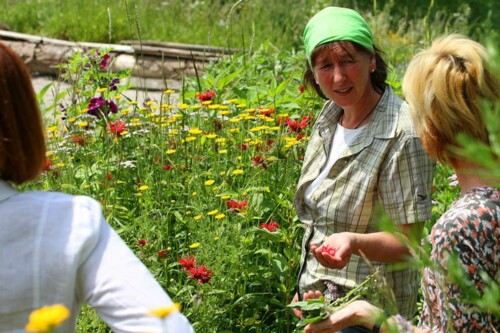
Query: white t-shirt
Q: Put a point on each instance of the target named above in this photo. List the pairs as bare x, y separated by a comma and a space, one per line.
342, 139
59, 249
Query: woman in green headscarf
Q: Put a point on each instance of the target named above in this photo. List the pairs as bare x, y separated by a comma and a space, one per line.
363, 153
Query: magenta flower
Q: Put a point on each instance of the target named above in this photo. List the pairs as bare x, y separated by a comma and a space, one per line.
104, 62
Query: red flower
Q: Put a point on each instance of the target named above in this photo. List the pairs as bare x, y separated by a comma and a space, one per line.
244, 146
162, 253
207, 96
325, 248
259, 160
78, 140
187, 263
168, 167
271, 226
108, 176
236, 206
47, 166
117, 127
296, 126
200, 273
267, 112
301, 89
141, 242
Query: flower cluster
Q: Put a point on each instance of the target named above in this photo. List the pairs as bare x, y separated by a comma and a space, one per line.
206, 96
271, 226
99, 106
196, 272
236, 206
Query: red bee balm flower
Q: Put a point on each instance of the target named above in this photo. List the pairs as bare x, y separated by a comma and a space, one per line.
117, 127
200, 273
325, 248
187, 263
207, 96
296, 126
271, 226
234, 205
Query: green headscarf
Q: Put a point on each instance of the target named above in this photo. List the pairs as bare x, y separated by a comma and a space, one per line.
335, 24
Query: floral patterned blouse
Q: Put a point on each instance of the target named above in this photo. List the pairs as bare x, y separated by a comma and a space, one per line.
471, 230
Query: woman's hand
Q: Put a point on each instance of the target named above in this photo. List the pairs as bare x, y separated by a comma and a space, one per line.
336, 250
355, 313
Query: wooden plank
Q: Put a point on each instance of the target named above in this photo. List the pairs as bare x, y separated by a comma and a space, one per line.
182, 46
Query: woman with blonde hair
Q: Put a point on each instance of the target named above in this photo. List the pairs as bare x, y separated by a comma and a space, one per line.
446, 86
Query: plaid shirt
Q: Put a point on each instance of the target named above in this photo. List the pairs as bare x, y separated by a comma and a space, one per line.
385, 165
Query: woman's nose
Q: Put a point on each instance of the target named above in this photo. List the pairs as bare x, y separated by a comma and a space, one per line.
338, 74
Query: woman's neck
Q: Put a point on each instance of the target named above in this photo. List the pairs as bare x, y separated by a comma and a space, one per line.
467, 175
356, 116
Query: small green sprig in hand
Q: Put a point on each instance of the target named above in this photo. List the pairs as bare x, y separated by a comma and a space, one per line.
318, 309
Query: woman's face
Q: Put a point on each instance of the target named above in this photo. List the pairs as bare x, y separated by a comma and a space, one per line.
343, 74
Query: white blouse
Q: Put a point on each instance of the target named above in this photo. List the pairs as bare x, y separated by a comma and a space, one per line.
58, 249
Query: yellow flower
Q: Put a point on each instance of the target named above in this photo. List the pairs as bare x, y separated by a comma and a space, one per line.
195, 131
82, 124
223, 151
233, 100
101, 89
143, 188
168, 91
132, 102
219, 216
211, 136
72, 119
194, 245
237, 172
225, 197
165, 311
197, 217
209, 182
213, 212
170, 151
46, 318
190, 138
182, 106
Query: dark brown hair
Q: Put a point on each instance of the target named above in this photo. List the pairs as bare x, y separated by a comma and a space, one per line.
22, 141
377, 78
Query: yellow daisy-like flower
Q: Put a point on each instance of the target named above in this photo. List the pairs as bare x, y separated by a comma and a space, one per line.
241, 105
118, 97
143, 188
170, 151
101, 89
194, 194
132, 102
194, 245
237, 172
225, 197
182, 106
82, 124
165, 311
233, 130
206, 102
219, 216
190, 138
72, 119
209, 182
126, 112
169, 91
148, 103
47, 318
234, 120
59, 165
211, 136
213, 212
195, 131
223, 151
197, 217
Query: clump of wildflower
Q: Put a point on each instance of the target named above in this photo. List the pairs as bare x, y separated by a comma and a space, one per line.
271, 226
47, 318
206, 96
259, 160
187, 263
104, 61
113, 83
